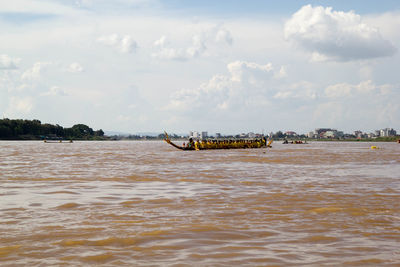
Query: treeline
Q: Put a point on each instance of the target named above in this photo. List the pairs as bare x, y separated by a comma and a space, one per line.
35, 130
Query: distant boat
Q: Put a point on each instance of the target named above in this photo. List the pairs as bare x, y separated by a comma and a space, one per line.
57, 141
296, 142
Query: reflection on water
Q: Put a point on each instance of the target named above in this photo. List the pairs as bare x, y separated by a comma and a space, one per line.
145, 203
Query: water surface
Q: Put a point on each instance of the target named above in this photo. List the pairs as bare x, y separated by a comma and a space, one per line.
148, 204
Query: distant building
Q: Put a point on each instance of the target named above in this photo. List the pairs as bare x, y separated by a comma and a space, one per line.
290, 133
190, 133
251, 135
358, 134
319, 132
329, 134
204, 135
218, 135
310, 135
387, 132
196, 134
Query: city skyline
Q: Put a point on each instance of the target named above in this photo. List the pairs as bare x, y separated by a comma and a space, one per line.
221, 66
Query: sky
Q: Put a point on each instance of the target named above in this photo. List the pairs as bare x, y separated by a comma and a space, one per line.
219, 66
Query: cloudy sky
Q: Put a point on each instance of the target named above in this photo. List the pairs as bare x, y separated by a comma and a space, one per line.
217, 66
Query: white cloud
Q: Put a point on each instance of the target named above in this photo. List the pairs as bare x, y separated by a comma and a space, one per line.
224, 36
282, 73
35, 7
244, 87
34, 73
123, 44
121, 4
300, 90
55, 91
7, 62
241, 70
20, 105
339, 90
75, 67
164, 51
335, 35
350, 90
359, 105
198, 46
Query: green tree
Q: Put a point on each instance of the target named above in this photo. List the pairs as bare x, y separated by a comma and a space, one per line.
99, 133
82, 130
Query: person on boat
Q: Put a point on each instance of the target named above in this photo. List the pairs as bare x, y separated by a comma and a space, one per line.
197, 145
203, 144
190, 144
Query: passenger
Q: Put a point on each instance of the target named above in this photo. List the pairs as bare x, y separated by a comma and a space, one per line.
197, 145
190, 144
203, 144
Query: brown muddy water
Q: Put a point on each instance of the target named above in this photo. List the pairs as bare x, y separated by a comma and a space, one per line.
148, 204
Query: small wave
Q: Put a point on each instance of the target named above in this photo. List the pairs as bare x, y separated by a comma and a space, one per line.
370, 262
5, 251
111, 241
35, 204
99, 258
68, 206
320, 239
326, 210
155, 233
62, 192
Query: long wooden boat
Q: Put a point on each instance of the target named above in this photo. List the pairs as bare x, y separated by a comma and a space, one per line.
221, 144
295, 142
57, 141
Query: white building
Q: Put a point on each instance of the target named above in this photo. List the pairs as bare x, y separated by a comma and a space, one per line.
387, 132
330, 134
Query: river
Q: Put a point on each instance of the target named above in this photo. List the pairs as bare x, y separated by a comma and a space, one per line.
131, 203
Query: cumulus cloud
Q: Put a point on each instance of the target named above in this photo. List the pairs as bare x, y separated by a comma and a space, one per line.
224, 36
245, 86
34, 73
7, 63
349, 90
20, 105
358, 105
335, 35
165, 51
75, 67
300, 90
123, 44
55, 91
198, 46
250, 71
